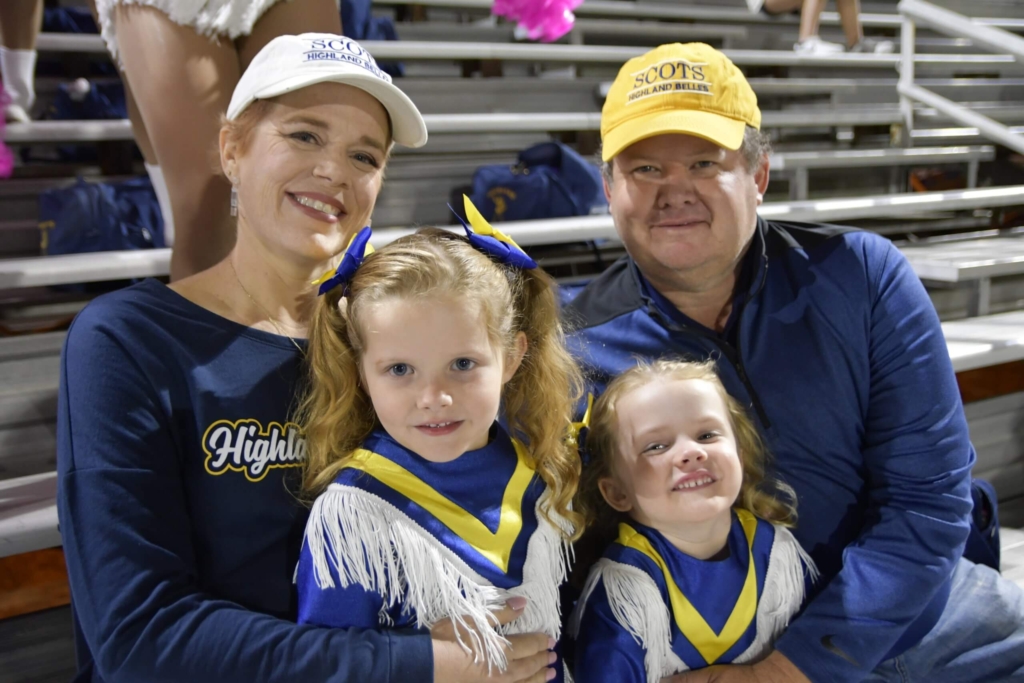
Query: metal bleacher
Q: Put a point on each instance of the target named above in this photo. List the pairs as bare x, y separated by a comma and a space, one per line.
833, 120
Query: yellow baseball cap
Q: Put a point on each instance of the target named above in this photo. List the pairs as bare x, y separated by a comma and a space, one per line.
691, 88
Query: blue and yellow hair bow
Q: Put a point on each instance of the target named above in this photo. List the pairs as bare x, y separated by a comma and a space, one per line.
488, 239
359, 248
578, 430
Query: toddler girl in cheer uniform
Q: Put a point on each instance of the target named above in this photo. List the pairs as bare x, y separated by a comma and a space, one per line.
428, 507
703, 570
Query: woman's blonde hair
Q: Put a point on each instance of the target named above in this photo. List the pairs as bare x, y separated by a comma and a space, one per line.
336, 413
766, 497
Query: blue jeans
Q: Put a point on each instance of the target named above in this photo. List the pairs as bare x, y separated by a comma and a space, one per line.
979, 638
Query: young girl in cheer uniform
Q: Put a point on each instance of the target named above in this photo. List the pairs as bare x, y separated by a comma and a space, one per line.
703, 570
428, 507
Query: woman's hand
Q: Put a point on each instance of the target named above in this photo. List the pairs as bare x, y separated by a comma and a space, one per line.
775, 668
527, 654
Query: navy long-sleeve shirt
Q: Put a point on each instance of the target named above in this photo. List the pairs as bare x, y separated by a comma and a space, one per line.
836, 348
177, 467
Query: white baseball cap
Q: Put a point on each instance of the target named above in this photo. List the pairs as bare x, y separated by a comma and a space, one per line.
290, 63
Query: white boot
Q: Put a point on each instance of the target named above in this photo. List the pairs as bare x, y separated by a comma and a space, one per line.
18, 70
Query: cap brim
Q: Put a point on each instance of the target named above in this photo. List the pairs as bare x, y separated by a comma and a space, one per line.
721, 130
408, 127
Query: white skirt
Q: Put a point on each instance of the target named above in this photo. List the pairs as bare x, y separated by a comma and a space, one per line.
230, 18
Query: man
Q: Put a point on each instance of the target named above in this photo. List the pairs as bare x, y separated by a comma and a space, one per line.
830, 339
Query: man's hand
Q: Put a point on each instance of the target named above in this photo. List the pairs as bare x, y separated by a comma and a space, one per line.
773, 669
528, 654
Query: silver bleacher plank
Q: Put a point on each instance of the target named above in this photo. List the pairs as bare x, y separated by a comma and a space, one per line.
764, 86
611, 54
70, 42
955, 132
1012, 555
997, 440
977, 411
68, 131
523, 122
699, 13
512, 122
877, 157
963, 260
29, 404
1008, 480
29, 449
30, 346
75, 268
452, 32
660, 30
49, 270
26, 371
981, 342
28, 514
892, 206
415, 50
1001, 455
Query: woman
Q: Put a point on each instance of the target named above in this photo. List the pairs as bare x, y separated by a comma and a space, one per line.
181, 60
176, 458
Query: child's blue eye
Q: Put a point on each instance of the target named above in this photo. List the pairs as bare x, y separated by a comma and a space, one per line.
654, 447
463, 364
708, 436
399, 370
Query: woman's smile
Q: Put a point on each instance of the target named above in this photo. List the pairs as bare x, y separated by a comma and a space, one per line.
318, 206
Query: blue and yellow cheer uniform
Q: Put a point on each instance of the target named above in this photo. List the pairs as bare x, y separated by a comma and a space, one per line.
648, 610
399, 541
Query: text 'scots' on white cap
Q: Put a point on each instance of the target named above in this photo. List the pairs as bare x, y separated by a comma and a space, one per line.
290, 63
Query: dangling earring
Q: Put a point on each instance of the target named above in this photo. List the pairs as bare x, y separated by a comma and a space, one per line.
234, 200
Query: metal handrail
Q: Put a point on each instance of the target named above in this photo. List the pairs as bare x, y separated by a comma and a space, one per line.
959, 26
920, 12
118, 265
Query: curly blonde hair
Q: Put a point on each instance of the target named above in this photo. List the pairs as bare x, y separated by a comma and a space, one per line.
766, 497
337, 414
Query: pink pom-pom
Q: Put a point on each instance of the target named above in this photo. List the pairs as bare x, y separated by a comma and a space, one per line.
544, 20
6, 156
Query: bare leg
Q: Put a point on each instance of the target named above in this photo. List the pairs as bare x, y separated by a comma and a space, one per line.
289, 18
138, 128
849, 16
182, 82
20, 22
810, 16
782, 6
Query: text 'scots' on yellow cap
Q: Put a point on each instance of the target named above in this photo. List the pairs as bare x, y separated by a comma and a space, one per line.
691, 88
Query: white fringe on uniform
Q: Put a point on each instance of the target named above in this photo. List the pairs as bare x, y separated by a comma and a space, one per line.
211, 18
639, 607
371, 543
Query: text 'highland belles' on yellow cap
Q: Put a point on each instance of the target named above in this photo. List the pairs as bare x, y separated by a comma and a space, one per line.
691, 88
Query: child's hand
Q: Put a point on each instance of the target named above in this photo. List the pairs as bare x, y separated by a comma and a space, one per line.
528, 654
776, 668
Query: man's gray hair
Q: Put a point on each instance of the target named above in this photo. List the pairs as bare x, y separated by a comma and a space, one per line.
756, 145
